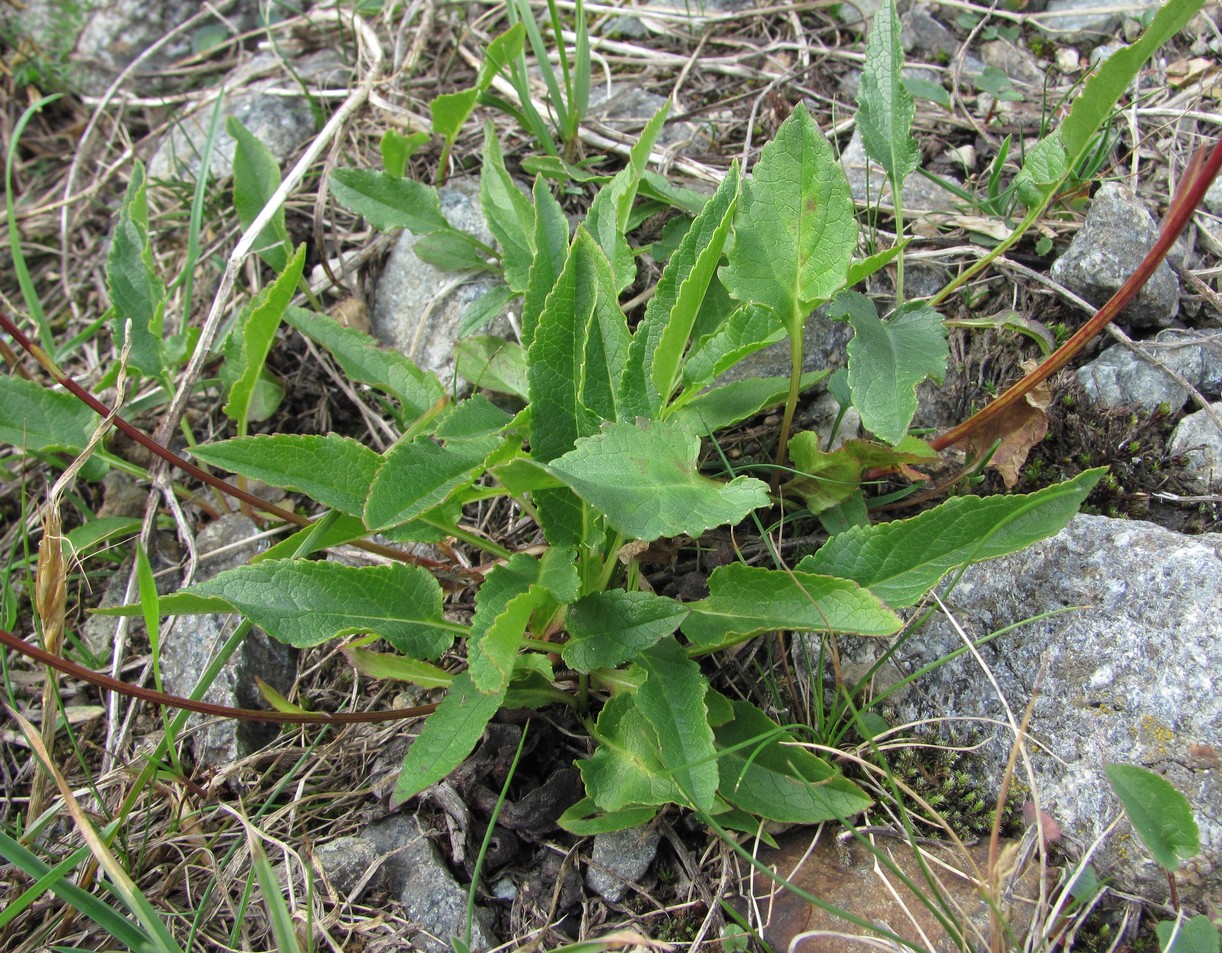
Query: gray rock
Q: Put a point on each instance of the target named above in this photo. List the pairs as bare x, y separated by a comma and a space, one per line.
1200, 440
347, 860
282, 123
1085, 20
629, 108
1120, 378
857, 12
194, 640
417, 308
620, 859
868, 183
1117, 234
1213, 197
1129, 674
97, 41
431, 897
1013, 60
824, 411
920, 32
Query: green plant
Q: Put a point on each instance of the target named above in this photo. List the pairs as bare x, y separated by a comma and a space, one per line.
1163, 820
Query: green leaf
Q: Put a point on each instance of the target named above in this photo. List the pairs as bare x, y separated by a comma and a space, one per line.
256, 177
551, 250
332, 470
415, 476
887, 359
137, 294
584, 819
747, 329
386, 201
721, 407
493, 363
625, 770
662, 337
252, 336
607, 629
305, 603
795, 230
746, 601
453, 250
644, 478
765, 776
34, 418
364, 361
1161, 815
1197, 934
859, 271
397, 149
672, 701
511, 219
886, 107
902, 560
397, 667
571, 364
449, 735
450, 111
829, 478
920, 88
484, 309
607, 220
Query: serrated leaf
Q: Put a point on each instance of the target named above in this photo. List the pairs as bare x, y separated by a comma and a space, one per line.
511, 219
1196, 934
662, 337
607, 629
137, 293
748, 329
902, 560
1161, 815
474, 419
625, 770
746, 600
724, 406
332, 470
672, 701
415, 476
386, 201
449, 735
795, 230
367, 362
644, 478
305, 603
551, 249
256, 177
888, 359
252, 336
34, 418
397, 667
767, 777
607, 220
886, 107
585, 820
451, 110
493, 666
1043, 169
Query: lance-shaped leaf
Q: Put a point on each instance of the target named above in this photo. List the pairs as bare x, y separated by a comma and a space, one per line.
748, 600
672, 701
256, 177
661, 339
1161, 815
610, 628
367, 362
333, 470
644, 478
794, 232
886, 108
767, 777
901, 561
626, 770
416, 476
385, 201
551, 248
305, 603
585, 820
251, 338
511, 219
137, 294
449, 735
724, 406
888, 359
34, 418
748, 329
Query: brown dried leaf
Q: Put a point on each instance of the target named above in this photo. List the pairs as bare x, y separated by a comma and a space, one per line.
1019, 428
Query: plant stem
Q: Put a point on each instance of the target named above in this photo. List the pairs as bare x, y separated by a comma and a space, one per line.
796, 328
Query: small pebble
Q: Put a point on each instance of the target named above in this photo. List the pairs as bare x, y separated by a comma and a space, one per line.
1068, 60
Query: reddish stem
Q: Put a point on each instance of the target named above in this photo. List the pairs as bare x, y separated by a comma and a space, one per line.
1197, 178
